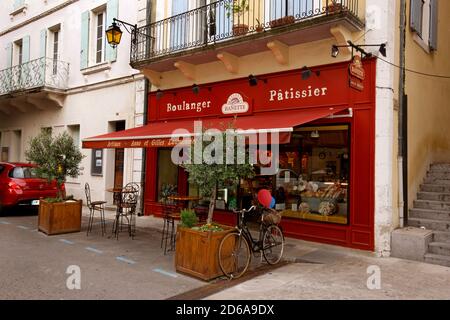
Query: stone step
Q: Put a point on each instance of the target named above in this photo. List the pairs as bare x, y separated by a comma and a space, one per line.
432, 205
433, 196
442, 248
441, 236
437, 259
439, 175
443, 216
440, 167
437, 180
429, 224
426, 187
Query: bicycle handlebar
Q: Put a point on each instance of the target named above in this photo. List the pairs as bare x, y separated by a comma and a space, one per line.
245, 210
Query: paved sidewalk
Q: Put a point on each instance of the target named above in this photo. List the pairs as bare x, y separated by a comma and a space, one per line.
327, 272
34, 267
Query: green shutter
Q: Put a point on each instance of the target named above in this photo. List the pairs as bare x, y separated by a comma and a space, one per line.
112, 11
9, 55
26, 49
84, 53
43, 46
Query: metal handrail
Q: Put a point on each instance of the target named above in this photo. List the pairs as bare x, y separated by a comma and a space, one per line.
218, 22
42, 72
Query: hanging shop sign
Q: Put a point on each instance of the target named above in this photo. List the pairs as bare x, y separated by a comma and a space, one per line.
357, 74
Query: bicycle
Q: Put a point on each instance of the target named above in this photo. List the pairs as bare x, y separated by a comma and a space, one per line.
235, 247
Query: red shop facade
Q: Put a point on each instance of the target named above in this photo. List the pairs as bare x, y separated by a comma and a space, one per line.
326, 122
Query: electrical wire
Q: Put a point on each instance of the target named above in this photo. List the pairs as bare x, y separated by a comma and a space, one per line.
416, 72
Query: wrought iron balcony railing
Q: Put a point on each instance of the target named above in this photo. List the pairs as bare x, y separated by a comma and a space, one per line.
228, 19
39, 73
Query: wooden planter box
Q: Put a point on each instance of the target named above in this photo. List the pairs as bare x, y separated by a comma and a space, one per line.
59, 218
196, 252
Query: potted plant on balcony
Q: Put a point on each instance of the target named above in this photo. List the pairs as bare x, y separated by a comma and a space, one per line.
56, 158
197, 246
237, 8
282, 21
334, 6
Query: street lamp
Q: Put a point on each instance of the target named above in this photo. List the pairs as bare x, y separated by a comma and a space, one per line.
114, 33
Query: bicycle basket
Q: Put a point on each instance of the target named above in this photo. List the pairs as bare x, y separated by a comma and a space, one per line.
271, 217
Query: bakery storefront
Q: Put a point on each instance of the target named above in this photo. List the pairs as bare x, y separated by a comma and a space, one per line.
325, 121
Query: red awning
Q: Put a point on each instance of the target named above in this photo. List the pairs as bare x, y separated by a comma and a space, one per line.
164, 134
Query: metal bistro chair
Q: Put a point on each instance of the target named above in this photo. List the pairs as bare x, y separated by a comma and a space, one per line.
94, 206
126, 209
170, 214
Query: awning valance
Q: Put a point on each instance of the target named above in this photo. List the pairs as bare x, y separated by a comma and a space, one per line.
167, 133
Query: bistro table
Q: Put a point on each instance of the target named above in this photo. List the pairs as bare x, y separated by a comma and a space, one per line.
185, 199
118, 194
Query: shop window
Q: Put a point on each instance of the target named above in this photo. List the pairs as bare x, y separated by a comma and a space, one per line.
312, 182
167, 172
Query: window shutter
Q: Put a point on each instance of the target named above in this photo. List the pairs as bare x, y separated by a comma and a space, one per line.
84, 53
43, 46
112, 11
18, 3
26, 49
434, 17
9, 55
416, 16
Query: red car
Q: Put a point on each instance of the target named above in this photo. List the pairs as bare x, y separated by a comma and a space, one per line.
20, 185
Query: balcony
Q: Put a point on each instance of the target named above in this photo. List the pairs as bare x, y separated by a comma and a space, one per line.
193, 36
41, 83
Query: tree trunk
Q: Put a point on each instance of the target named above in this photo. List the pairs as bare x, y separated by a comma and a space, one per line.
212, 204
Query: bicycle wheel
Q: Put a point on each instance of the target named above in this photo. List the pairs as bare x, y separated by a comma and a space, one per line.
273, 244
234, 255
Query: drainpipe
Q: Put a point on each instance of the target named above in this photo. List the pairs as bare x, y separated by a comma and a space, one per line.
402, 125
145, 115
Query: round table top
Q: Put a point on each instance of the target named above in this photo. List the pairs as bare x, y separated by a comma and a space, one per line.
117, 190
184, 198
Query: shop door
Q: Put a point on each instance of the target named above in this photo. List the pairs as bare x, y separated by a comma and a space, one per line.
119, 159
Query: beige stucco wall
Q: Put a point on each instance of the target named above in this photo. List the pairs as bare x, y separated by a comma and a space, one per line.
428, 103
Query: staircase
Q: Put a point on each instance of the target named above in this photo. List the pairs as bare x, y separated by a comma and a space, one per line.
432, 211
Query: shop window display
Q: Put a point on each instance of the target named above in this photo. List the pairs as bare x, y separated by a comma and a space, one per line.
313, 179
312, 182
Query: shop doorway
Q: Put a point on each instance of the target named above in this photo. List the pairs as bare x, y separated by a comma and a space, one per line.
119, 158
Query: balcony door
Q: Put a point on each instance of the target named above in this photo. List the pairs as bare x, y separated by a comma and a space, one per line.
222, 22
179, 25
297, 8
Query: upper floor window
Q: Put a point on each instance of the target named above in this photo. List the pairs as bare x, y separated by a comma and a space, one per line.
99, 37
94, 49
424, 22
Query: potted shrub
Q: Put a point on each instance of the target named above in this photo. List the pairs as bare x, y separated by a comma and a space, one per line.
237, 8
197, 245
57, 158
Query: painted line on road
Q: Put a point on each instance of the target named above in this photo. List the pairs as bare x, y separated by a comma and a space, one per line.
166, 273
94, 250
125, 260
66, 241
23, 227
4, 222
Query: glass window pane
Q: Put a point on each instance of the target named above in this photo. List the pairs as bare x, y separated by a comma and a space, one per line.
167, 172
313, 180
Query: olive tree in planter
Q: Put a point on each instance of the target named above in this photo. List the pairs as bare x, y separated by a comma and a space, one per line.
197, 247
56, 157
